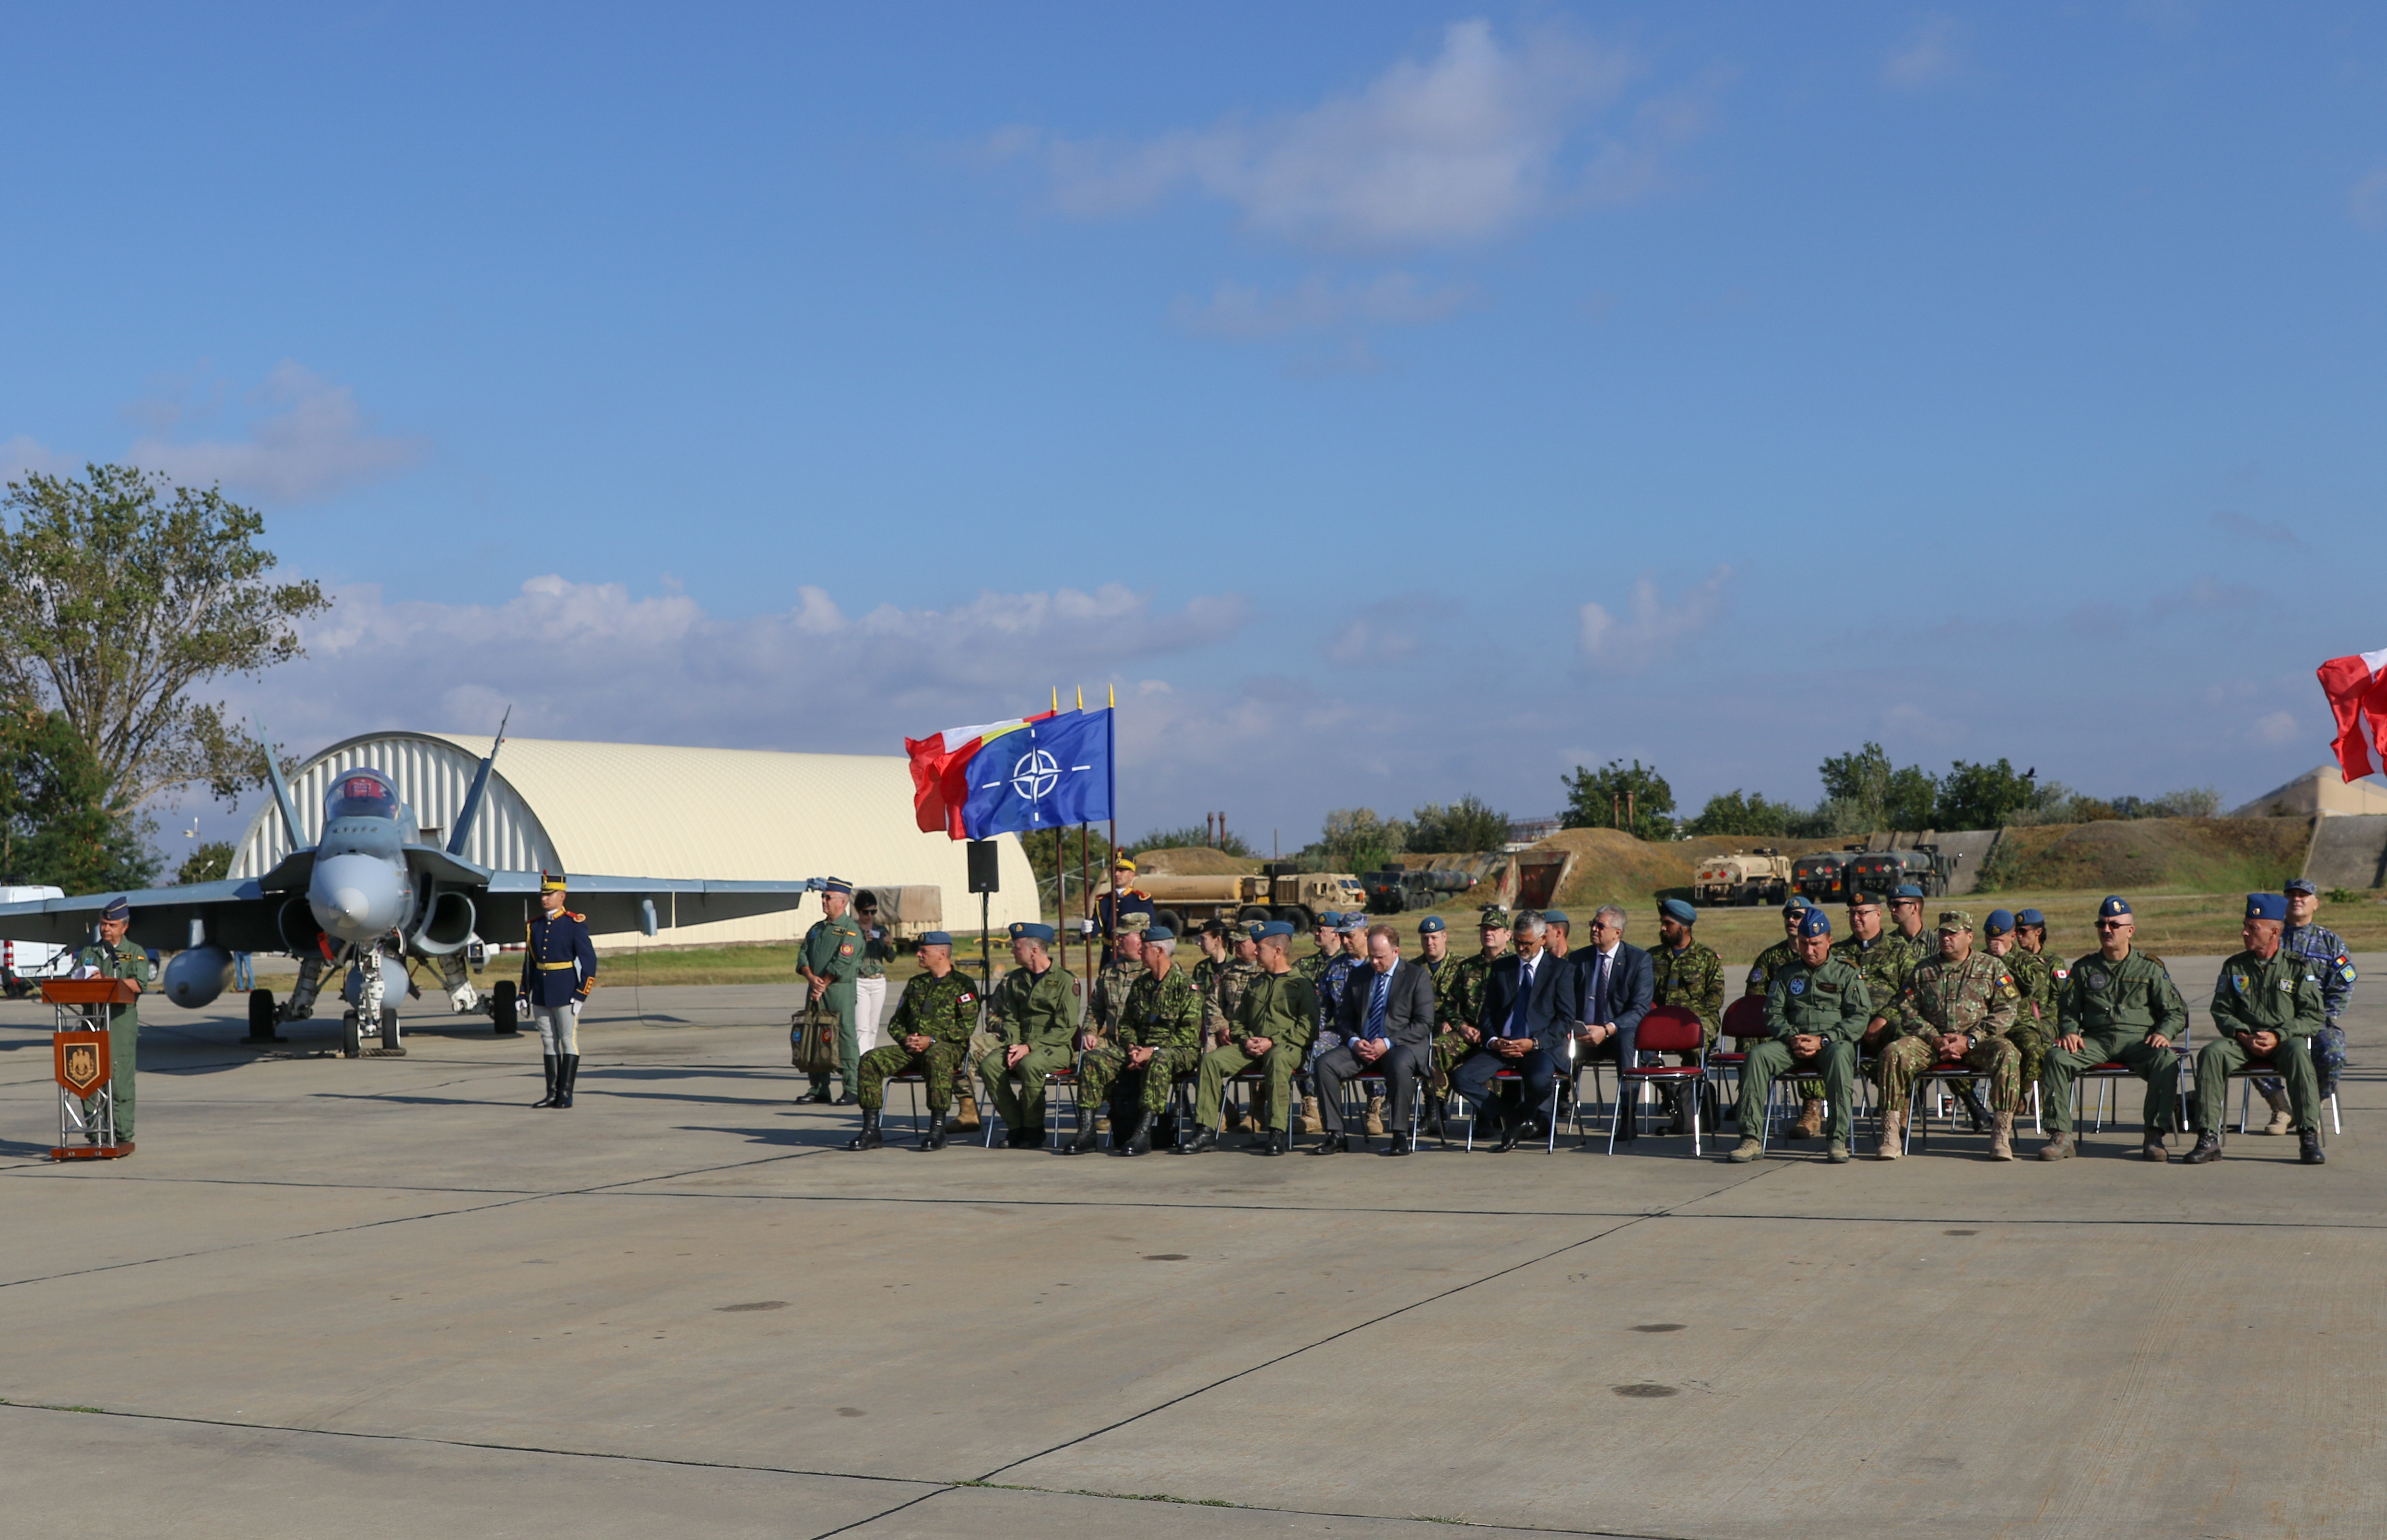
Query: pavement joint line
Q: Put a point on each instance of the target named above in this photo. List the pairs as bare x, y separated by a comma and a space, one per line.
1357, 1327
1259, 1508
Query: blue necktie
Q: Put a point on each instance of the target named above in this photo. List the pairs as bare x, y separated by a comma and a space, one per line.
1376, 1004
1516, 1027
1598, 1005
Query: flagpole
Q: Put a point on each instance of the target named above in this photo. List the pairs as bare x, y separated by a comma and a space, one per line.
1110, 761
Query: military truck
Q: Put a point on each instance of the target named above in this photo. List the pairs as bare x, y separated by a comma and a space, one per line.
1822, 878
1924, 866
1396, 889
1744, 876
1278, 892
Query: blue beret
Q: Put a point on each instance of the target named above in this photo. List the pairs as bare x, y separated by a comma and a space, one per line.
937, 938
1431, 924
1159, 933
1815, 922
117, 909
1555, 916
1675, 909
1907, 889
2000, 922
1028, 930
2031, 916
1330, 919
838, 885
1797, 901
2266, 906
1266, 928
2112, 907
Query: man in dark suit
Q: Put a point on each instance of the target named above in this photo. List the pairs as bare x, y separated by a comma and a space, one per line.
1387, 1025
1532, 1001
1617, 982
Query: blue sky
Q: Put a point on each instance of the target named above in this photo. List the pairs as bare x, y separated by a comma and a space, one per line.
1391, 401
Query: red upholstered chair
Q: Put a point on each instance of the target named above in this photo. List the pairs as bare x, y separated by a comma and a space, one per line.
1744, 1022
1666, 1029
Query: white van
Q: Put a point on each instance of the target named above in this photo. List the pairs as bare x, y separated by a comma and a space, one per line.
21, 961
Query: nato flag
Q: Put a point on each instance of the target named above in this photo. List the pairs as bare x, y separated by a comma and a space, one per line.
1044, 774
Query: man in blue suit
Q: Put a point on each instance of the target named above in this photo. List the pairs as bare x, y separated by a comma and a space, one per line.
1531, 1001
1617, 984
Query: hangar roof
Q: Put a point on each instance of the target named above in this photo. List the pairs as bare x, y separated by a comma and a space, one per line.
648, 810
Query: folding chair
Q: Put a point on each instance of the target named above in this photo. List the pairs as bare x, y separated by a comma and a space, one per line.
1059, 1080
1744, 1022
914, 1079
1667, 1029
1509, 1076
1356, 1110
2251, 1073
2104, 1075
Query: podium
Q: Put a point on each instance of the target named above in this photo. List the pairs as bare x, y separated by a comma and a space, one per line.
84, 1065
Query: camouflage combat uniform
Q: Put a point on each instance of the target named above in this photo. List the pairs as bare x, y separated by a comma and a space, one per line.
1887, 965
1282, 1008
1459, 1001
1163, 1013
1036, 1009
1692, 978
1106, 1002
2115, 1007
1976, 998
1226, 993
2036, 978
943, 1010
1769, 964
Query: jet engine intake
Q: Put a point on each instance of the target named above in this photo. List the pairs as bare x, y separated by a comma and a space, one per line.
299, 929
194, 977
449, 926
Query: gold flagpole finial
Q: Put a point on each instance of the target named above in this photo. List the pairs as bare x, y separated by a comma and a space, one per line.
1056, 698
1114, 689
1081, 698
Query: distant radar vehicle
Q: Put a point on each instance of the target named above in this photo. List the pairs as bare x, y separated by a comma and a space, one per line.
1744, 876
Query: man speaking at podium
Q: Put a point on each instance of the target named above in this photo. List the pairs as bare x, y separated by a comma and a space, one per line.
114, 957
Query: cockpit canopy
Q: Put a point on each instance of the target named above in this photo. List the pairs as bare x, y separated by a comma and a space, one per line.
361, 794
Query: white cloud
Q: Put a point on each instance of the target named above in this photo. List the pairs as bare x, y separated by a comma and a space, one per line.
2367, 200
592, 661
1924, 60
310, 442
20, 455
1456, 149
2278, 727
1649, 626
1319, 305
1391, 630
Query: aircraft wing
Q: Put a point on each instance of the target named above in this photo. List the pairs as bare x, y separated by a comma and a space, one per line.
618, 903
238, 915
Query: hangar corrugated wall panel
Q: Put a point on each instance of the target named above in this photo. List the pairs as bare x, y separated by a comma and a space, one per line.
644, 810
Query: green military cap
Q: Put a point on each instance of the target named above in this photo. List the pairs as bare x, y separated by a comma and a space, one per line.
1955, 919
1134, 922
1495, 917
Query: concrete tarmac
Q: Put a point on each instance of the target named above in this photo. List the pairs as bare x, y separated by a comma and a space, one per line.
386, 1297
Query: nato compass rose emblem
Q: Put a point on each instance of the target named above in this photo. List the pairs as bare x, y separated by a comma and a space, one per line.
1035, 774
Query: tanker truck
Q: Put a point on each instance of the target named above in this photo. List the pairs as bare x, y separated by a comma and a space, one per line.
1744, 876
1278, 892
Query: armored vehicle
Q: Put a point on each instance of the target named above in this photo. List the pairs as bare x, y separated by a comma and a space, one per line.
1744, 876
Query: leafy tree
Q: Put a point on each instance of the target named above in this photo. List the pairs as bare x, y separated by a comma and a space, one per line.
57, 824
1875, 795
1596, 799
1357, 840
210, 863
1983, 796
125, 594
1190, 834
1464, 826
1735, 812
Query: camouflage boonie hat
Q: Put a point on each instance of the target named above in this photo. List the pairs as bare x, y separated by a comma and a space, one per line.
1955, 919
1495, 917
1128, 923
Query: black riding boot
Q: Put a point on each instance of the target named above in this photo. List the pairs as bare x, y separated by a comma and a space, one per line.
869, 1138
547, 1100
567, 1071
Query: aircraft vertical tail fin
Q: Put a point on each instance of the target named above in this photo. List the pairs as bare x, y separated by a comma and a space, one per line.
480, 786
280, 789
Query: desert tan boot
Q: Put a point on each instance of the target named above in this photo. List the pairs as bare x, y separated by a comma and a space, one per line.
2001, 1137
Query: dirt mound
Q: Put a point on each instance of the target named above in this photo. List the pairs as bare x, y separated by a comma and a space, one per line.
1194, 860
1609, 865
2160, 854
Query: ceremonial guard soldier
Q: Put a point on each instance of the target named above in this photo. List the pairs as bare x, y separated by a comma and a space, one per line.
112, 956
1124, 899
830, 960
559, 970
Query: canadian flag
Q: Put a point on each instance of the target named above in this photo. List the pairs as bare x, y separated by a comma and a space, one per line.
2355, 689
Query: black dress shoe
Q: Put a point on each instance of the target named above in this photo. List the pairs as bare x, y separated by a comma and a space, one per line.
1275, 1145
1630, 1130
818, 1094
1400, 1146
1333, 1143
847, 1100
1206, 1140
1516, 1133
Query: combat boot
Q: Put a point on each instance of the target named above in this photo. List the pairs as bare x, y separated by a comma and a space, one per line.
817, 1093
966, 1119
1749, 1150
2283, 1119
547, 1100
2208, 1149
1973, 1108
1088, 1134
2309, 1150
1275, 1145
1139, 1139
1836, 1152
2153, 1150
1375, 1124
868, 1139
2058, 1146
567, 1072
934, 1136
1811, 1121
2001, 1137
1310, 1121
1893, 1137
1204, 1141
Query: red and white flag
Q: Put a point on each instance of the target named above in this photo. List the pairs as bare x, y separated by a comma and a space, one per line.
2356, 688
941, 772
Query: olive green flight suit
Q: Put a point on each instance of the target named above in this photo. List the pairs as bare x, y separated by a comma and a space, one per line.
2115, 1007
1040, 1011
121, 961
2283, 996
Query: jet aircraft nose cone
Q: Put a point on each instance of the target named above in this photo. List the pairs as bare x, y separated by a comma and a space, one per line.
353, 905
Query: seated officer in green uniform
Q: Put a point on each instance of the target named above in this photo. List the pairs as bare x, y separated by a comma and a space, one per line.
2266, 1005
1816, 1007
1032, 1015
1274, 1025
114, 957
1157, 1038
930, 1034
2115, 1006
1958, 1007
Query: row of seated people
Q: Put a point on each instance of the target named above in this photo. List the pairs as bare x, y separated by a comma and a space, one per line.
1540, 1015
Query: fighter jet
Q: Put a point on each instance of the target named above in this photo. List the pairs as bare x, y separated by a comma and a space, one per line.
370, 895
